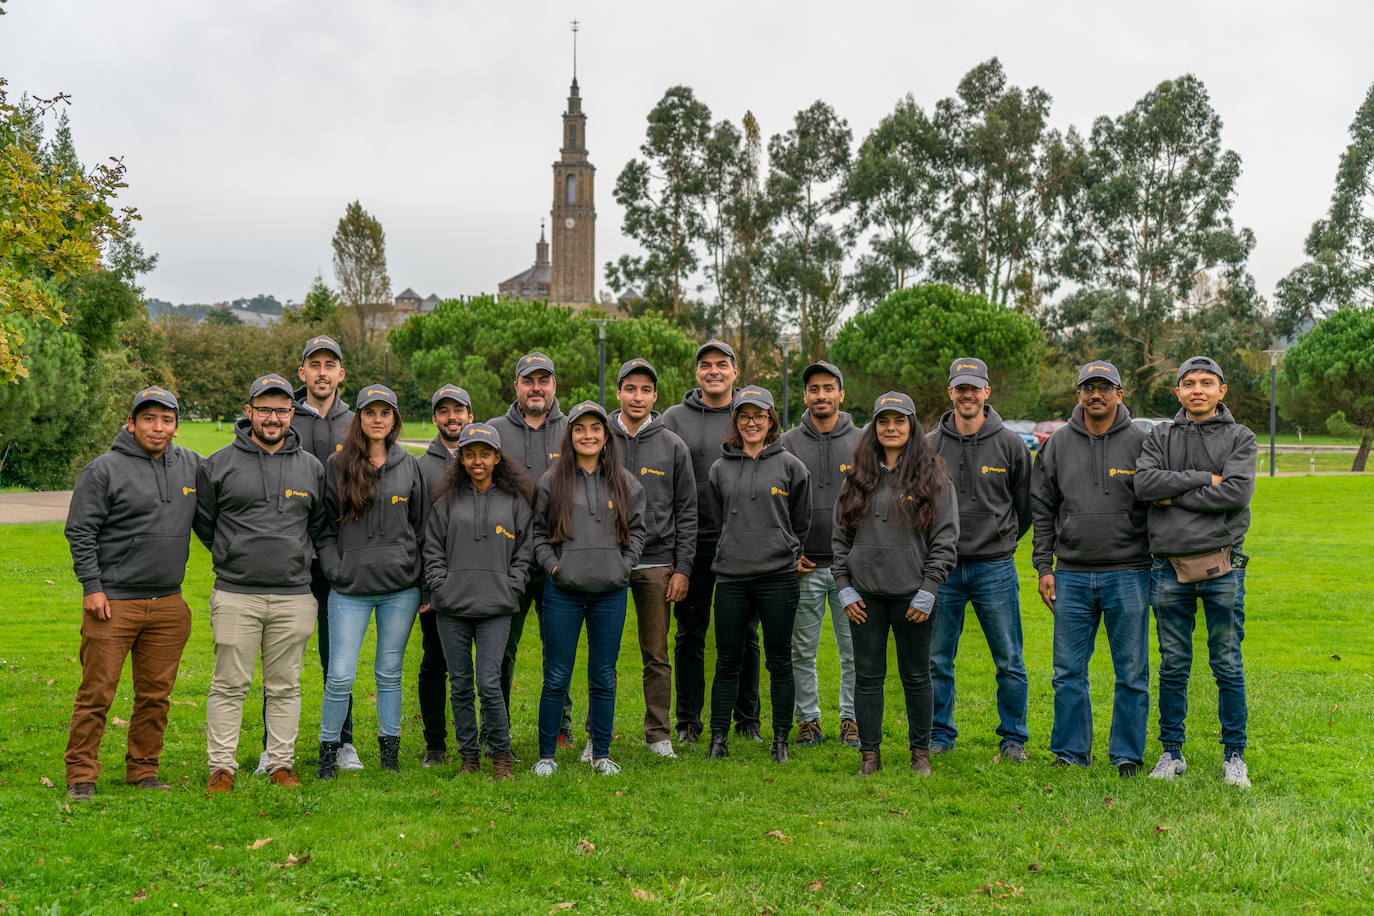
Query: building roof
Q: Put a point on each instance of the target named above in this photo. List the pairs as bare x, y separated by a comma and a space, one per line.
408, 293
538, 274
430, 302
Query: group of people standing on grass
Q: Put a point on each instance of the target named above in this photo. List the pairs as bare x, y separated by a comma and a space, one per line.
316, 518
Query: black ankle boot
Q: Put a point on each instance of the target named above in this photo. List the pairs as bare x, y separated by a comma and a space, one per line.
391, 751
329, 760
720, 744
780, 748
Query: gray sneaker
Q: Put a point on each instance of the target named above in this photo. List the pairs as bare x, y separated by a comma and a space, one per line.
937, 749
545, 767
587, 752
348, 758
606, 766
1234, 772
1013, 753
1169, 766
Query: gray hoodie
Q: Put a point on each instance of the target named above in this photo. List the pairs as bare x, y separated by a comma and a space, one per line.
659, 460
321, 436
1087, 514
433, 463
765, 503
1177, 462
703, 429
259, 513
593, 561
992, 473
379, 553
886, 557
478, 552
827, 457
129, 522
532, 448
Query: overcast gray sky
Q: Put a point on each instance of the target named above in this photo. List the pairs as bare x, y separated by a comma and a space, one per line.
248, 126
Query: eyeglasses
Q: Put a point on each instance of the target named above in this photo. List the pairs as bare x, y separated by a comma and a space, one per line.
1089, 387
757, 419
267, 413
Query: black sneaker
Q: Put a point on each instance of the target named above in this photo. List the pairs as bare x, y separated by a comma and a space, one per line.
435, 757
688, 734
1062, 762
749, 732
81, 791
1127, 770
1013, 753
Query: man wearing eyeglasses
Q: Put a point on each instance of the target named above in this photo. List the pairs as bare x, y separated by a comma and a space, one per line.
259, 509
1094, 563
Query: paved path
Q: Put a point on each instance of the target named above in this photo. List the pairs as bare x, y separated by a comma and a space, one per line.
34, 507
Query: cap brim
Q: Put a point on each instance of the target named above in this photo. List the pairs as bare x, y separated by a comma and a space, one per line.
968, 380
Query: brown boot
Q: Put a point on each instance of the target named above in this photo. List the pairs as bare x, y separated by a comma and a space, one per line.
502, 766
872, 762
220, 781
920, 760
471, 763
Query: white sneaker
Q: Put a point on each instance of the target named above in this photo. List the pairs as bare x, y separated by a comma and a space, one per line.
545, 767
587, 752
663, 748
262, 765
348, 758
1169, 766
1234, 772
605, 766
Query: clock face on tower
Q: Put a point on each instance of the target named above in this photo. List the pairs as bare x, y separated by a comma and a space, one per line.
569, 222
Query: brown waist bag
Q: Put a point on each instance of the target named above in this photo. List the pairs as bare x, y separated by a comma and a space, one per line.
1199, 566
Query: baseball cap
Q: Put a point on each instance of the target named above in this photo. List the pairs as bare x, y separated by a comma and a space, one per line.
1100, 369
896, 401
759, 397
154, 395
480, 432
374, 393
452, 393
582, 408
1205, 363
968, 370
637, 365
322, 342
715, 343
269, 382
821, 365
533, 362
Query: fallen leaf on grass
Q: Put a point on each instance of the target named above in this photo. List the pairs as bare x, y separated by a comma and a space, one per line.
216, 847
815, 886
258, 844
66, 807
118, 722
618, 793
45, 782
584, 847
457, 843
641, 894
51, 681
903, 811
565, 905
50, 582
1160, 829
1034, 866
139, 896
292, 861
1335, 658
1109, 801
183, 702
782, 837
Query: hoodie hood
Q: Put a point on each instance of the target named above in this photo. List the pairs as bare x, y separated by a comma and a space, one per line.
1098, 445
991, 471
533, 449
702, 429
827, 456
433, 463
321, 436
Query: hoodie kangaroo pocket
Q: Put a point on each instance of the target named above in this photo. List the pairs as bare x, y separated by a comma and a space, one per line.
383, 568
266, 559
1098, 536
754, 552
591, 569
476, 593
884, 570
151, 560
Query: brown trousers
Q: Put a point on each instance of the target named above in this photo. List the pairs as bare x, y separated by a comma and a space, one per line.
154, 631
648, 586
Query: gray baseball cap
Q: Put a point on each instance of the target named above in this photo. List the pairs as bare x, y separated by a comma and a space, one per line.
374, 393
715, 343
582, 408
480, 432
637, 365
752, 394
534, 362
154, 395
968, 370
895, 401
1100, 369
269, 382
821, 365
1205, 363
322, 342
451, 393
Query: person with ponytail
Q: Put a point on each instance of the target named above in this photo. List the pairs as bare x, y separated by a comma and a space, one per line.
895, 541
761, 493
479, 545
589, 531
376, 500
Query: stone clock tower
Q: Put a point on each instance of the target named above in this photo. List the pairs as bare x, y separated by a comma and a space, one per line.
572, 279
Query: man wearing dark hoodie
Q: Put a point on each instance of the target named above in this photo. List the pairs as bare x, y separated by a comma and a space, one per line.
656, 457
825, 443
991, 469
320, 420
452, 409
1199, 474
259, 509
702, 421
129, 527
1093, 559
531, 430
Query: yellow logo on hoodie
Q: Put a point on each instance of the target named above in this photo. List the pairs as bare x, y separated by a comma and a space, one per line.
291, 493
185, 491
643, 471
988, 467
501, 529
845, 467
777, 492
399, 499
1114, 471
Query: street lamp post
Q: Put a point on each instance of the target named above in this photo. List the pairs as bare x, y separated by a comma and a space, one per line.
786, 405
386, 366
1273, 402
601, 356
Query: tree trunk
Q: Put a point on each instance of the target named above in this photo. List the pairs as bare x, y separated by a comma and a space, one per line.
1362, 454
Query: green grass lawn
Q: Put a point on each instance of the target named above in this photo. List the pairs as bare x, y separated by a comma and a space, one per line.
205, 436
686, 835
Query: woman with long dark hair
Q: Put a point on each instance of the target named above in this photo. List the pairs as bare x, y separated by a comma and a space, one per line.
762, 495
895, 540
375, 496
589, 531
479, 544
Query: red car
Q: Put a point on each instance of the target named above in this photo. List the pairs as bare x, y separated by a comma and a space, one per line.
1044, 428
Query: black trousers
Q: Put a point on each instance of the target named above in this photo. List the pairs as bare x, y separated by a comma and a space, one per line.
772, 601
693, 615
433, 684
870, 670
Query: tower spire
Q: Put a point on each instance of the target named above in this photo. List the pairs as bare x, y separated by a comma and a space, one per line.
575, 26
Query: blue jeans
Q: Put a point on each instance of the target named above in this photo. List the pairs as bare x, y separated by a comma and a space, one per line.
561, 627
1223, 603
991, 586
348, 619
814, 589
1120, 599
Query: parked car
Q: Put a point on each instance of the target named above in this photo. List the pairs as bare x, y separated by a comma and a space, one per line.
1145, 424
1025, 429
1044, 428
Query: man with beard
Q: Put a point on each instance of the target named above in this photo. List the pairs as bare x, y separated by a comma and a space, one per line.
259, 509
991, 469
702, 421
452, 411
825, 443
530, 432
